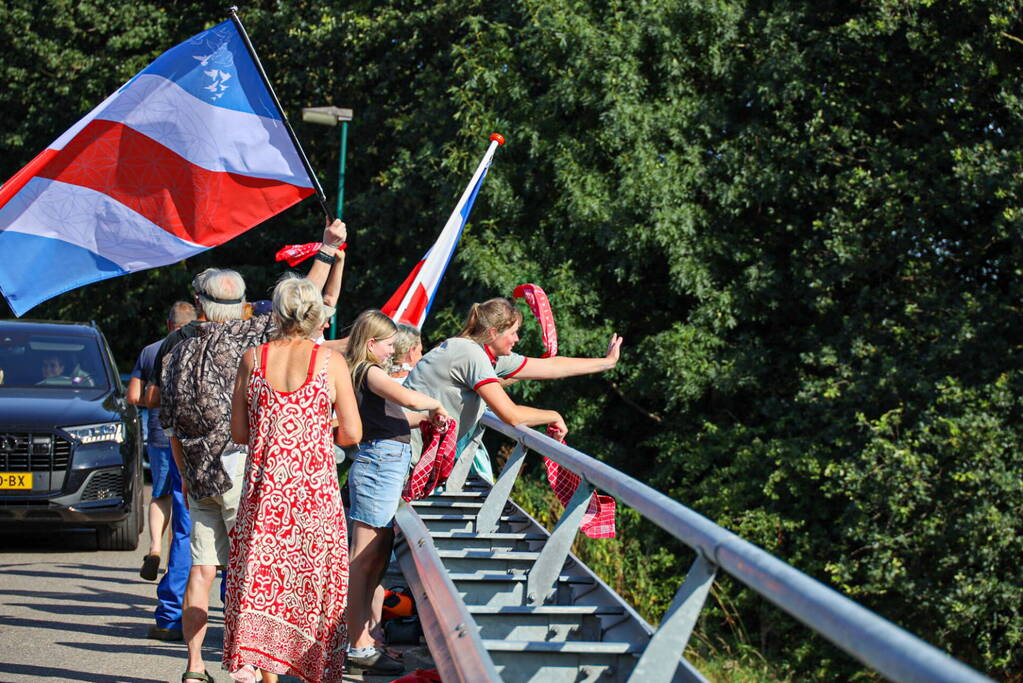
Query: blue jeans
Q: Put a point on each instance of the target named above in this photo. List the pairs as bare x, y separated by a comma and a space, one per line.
170, 593
376, 480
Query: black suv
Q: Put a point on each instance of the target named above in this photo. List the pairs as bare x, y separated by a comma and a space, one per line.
70, 444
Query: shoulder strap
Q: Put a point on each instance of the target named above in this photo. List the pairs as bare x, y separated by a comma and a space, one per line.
312, 363
261, 365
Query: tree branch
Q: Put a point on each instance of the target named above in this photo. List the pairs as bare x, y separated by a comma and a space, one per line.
632, 404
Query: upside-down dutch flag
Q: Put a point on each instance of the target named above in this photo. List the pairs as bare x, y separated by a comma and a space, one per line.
412, 300
188, 154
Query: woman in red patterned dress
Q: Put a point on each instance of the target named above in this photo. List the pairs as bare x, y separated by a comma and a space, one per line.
287, 579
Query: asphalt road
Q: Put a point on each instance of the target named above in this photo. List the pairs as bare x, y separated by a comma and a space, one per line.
70, 612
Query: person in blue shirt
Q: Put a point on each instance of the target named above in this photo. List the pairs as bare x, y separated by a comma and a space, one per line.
167, 505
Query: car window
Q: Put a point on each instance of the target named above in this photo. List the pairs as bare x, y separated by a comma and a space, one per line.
47, 360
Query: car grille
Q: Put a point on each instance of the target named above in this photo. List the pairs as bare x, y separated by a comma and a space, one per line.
33, 452
104, 484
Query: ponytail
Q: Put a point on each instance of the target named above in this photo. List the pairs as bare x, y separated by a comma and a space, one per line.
498, 313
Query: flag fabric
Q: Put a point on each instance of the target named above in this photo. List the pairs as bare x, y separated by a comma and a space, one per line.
411, 303
188, 154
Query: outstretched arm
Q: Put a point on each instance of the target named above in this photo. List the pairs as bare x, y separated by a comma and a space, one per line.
563, 366
385, 387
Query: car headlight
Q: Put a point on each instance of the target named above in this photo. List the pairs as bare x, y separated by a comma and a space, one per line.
107, 431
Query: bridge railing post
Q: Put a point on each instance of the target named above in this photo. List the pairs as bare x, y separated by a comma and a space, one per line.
459, 473
543, 576
662, 655
489, 516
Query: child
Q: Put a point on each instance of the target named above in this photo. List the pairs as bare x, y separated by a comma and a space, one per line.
408, 349
377, 476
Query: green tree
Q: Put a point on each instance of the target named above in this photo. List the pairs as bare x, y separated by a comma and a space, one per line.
805, 218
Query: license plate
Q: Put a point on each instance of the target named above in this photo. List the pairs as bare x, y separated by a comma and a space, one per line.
15, 480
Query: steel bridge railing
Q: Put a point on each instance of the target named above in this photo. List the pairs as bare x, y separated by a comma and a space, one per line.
449, 629
871, 639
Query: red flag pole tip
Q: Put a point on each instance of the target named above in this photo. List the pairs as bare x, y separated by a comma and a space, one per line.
497, 137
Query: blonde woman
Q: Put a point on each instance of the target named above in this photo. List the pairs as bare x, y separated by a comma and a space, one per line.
377, 475
288, 570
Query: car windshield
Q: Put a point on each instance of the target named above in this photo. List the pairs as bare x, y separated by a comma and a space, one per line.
50, 361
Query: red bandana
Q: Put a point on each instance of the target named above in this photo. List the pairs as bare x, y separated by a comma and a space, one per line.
434, 466
599, 520
541, 307
294, 254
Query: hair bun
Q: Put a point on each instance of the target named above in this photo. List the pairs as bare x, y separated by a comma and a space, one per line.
298, 306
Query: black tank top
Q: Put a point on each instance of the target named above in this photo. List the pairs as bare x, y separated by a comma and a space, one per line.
381, 419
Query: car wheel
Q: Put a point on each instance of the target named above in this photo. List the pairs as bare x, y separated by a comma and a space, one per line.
123, 535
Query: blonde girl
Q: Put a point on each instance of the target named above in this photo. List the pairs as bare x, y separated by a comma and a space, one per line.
377, 475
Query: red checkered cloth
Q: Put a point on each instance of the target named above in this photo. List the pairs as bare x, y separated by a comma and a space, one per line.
434, 466
537, 300
599, 520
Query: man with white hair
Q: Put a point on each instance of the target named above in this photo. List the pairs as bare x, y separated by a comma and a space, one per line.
195, 400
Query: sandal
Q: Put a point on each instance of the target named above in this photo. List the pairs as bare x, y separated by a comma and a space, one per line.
150, 566
196, 676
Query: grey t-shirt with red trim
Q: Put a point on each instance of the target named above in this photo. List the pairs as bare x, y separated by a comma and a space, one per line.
453, 371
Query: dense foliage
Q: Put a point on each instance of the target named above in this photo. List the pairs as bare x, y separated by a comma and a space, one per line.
804, 217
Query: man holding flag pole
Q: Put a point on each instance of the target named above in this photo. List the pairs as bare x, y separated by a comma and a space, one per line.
188, 154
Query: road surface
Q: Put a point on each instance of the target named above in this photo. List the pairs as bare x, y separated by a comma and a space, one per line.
70, 612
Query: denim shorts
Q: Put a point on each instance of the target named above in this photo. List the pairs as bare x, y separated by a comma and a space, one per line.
376, 480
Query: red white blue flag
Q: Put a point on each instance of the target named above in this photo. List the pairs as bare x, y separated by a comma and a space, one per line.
412, 300
188, 154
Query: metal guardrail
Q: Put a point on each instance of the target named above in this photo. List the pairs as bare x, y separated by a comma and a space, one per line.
873, 640
450, 630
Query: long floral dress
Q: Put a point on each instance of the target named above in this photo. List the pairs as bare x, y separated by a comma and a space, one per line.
287, 579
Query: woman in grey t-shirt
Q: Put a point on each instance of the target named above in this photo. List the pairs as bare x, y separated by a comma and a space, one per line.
465, 372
